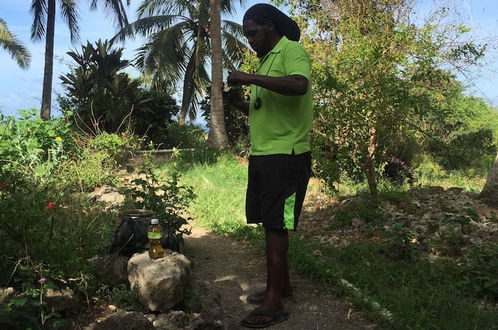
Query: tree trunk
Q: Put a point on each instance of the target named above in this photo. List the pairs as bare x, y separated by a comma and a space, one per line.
183, 111
490, 190
370, 164
217, 137
49, 62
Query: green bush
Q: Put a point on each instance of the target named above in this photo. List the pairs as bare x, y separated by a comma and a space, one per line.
182, 136
118, 147
86, 172
168, 199
30, 143
478, 271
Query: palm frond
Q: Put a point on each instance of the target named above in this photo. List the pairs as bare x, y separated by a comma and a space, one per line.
165, 52
114, 8
69, 12
145, 26
228, 6
163, 7
233, 28
11, 44
233, 51
39, 10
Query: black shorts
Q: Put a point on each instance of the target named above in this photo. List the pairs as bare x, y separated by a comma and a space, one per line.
276, 189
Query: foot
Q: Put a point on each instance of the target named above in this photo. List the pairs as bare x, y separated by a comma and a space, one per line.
263, 317
258, 297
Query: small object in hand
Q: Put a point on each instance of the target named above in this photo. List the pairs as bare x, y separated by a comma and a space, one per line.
257, 103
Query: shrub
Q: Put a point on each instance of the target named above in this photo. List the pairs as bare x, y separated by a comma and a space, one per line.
32, 143
169, 200
118, 147
182, 136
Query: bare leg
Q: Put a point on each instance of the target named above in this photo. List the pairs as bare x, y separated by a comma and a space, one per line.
277, 245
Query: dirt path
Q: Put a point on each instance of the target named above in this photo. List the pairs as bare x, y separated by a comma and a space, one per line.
235, 269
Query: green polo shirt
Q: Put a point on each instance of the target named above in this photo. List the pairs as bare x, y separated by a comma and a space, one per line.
282, 123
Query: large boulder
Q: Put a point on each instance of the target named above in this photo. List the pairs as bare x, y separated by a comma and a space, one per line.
123, 320
161, 282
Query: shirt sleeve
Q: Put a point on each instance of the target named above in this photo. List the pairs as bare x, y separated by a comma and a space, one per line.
296, 61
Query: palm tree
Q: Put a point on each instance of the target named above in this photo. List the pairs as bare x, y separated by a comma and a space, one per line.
44, 26
178, 45
217, 137
11, 44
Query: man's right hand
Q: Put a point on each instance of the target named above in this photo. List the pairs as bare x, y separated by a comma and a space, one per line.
237, 78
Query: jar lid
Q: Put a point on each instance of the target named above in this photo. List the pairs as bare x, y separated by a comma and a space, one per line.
154, 221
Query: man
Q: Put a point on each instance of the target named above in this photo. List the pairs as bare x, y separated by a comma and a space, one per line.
280, 119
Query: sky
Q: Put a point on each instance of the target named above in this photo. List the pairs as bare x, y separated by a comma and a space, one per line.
22, 89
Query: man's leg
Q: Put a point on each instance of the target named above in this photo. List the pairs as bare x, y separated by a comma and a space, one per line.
277, 245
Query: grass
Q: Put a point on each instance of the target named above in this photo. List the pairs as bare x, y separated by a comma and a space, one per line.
420, 294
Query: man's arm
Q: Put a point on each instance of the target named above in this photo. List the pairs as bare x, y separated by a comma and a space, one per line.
288, 85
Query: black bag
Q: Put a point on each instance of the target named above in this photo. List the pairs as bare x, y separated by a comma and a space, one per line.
131, 236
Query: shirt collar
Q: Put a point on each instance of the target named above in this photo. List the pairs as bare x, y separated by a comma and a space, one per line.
276, 49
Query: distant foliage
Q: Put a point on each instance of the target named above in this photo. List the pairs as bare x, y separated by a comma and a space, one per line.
381, 86
100, 96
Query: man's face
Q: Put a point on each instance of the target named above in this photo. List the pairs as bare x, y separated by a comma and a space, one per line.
257, 36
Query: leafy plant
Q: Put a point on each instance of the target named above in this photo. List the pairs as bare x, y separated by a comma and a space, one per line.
168, 199
101, 97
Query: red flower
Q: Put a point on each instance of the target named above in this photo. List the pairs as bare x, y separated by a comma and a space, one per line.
3, 186
50, 206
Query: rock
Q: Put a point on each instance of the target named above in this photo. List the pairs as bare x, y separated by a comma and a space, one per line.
420, 229
317, 253
357, 222
108, 195
455, 190
435, 189
124, 320
6, 294
161, 282
345, 243
61, 301
172, 320
150, 317
197, 322
208, 305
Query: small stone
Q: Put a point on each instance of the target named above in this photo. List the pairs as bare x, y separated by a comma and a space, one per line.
6, 294
172, 320
345, 243
124, 320
61, 300
317, 253
150, 317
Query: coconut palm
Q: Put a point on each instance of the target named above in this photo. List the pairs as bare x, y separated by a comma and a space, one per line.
178, 45
217, 137
11, 44
44, 26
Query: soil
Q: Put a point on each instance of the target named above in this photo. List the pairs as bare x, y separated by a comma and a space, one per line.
236, 269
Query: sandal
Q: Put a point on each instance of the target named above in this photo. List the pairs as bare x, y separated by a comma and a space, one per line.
275, 318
